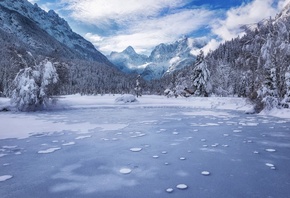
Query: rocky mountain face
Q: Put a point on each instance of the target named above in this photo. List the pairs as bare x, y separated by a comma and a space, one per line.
165, 58
128, 60
44, 32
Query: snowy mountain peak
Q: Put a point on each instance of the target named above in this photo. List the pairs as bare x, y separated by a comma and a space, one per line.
285, 12
165, 58
52, 24
130, 51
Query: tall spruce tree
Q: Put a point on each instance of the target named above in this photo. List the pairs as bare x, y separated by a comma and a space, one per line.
200, 76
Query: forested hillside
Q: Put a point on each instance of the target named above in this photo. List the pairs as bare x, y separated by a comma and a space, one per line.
29, 35
256, 65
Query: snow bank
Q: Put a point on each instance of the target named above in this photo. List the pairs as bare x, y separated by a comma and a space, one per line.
4, 103
223, 103
127, 98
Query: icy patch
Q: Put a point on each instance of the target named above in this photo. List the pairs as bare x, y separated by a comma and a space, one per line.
16, 126
270, 150
135, 149
212, 124
138, 134
182, 186
9, 147
50, 150
83, 137
182, 173
2, 155
5, 177
269, 164
111, 127
205, 173
249, 123
87, 184
209, 113
68, 144
125, 170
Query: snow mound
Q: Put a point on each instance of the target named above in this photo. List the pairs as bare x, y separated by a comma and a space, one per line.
125, 170
126, 98
205, 173
182, 186
135, 149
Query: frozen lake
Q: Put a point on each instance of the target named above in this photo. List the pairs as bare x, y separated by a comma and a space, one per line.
145, 152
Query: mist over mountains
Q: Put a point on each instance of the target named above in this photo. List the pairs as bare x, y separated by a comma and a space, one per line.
164, 58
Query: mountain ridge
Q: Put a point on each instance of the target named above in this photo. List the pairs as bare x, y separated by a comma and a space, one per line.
56, 27
164, 58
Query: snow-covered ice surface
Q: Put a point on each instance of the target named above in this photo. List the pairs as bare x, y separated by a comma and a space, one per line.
158, 147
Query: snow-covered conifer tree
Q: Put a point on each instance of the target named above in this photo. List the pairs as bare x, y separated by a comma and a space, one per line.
25, 90
138, 88
200, 76
33, 86
268, 92
286, 101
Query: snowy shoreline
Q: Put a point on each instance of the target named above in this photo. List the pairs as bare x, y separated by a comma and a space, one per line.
78, 101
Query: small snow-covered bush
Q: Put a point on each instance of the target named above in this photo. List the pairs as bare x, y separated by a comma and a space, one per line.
126, 98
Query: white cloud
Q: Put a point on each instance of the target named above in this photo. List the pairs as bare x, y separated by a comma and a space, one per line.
146, 34
33, 1
210, 46
94, 38
100, 11
282, 4
246, 14
141, 24
145, 24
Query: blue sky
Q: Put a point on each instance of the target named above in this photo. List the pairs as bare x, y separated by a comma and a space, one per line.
112, 25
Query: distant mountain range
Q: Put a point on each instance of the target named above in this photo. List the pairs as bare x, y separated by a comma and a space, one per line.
165, 58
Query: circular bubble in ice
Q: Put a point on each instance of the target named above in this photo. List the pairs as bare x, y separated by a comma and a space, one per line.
205, 173
135, 149
270, 150
169, 190
125, 170
269, 164
182, 186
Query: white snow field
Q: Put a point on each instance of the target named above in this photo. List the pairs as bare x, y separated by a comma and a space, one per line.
94, 147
